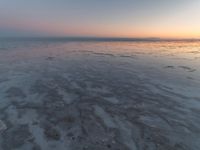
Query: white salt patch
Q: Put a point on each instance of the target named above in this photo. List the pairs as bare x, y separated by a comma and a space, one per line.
25, 146
155, 122
12, 114
28, 117
4, 102
126, 133
68, 98
112, 100
37, 133
107, 119
123, 126
2, 126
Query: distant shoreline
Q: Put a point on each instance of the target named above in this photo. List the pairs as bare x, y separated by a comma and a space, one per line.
96, 39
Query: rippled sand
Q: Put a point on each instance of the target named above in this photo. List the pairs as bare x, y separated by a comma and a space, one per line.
61, 95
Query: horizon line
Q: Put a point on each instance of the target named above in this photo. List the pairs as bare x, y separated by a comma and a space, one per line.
96, 38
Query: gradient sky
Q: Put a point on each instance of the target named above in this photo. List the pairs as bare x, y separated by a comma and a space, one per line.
103, 18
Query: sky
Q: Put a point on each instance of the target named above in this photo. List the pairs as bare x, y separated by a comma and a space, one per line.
101, 18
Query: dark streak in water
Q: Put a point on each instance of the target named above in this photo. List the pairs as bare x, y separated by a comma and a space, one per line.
50, 58
187, 68
104, 54
169, 67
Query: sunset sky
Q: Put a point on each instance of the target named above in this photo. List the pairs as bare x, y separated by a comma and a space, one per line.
101, 18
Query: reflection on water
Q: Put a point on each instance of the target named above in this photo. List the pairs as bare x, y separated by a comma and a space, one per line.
99, 95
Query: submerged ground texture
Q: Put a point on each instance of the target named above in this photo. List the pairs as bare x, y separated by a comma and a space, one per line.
59, 95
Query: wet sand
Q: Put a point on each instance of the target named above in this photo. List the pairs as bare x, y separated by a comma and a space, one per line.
99, 95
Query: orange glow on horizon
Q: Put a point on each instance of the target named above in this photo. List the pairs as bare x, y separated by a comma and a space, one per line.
58, 29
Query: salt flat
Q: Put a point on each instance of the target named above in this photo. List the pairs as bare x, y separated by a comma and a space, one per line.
90, 95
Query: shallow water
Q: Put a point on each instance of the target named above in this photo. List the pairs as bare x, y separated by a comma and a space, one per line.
96, 95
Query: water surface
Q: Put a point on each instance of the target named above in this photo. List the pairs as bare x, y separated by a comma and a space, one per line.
99, 95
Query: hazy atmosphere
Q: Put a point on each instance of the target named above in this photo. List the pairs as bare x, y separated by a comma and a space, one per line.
113, 18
